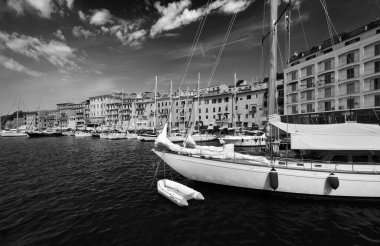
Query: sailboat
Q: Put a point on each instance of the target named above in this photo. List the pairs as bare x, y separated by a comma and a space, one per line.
336, 174
151, 135
14, 132
248, 139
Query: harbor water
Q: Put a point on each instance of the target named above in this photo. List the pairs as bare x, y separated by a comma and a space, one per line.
85, 191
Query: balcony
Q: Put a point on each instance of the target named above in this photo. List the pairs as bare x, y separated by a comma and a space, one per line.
325, 83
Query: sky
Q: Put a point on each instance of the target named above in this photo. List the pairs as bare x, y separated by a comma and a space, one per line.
55, 51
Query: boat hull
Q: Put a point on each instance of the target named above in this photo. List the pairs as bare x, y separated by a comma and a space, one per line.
44, 134
13, 134
292, 181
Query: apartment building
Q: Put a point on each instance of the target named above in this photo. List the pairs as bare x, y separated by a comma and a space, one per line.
340, 77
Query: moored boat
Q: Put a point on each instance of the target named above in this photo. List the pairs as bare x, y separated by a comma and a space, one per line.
177, 193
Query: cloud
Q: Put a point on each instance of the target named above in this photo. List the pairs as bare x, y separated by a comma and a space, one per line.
56, 52
178, 14
70, 3
44, 7
11, 64
79, 31
59, 35
100, 17
82, 16
17, 6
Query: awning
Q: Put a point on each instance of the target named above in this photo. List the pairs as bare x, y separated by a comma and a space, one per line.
345, 136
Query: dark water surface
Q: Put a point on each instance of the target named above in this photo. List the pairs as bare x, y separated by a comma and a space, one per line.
83, 191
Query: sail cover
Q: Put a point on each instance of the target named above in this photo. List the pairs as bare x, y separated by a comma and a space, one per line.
345, 136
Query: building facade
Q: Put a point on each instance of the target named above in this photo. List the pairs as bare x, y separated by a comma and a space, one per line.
342, 75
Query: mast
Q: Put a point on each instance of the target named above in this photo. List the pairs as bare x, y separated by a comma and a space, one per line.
171, 103
272, 58
197, 112
18, 108
234, 115
155, 105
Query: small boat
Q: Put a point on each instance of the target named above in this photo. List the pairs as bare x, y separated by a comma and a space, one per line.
46, 133
12, 133
83, 134
177, 193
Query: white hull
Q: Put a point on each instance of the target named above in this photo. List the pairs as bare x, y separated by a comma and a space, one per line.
13, 134
147, 138
177, 193
103, 135
118, 136
243, 141
83, 134
301, 180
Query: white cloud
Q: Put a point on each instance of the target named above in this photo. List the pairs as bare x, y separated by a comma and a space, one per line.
100, 17
11, 64
59, 35
178, 14
79, 31
82, 16
45, 7
56, 52
17, 6
70, 3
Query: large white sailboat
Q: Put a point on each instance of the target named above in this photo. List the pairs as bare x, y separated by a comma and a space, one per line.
332, 161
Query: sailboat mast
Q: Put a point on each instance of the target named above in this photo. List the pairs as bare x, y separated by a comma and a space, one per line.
155, 105
18, 108
171, 106
197, 112
234, 117
272, 58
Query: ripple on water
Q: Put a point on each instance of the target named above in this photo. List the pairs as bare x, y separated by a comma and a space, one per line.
72, 191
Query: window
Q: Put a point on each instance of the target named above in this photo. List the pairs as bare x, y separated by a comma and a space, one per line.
294, 109
309, 70
376, 84
248, 96
327, 92
377, 49
246, 106
219, 100
206, 102
213, 116
377, 100
350, 58
219, 109
350, 73
213, 101
206, 110
328, 78
206, 117
213, 110
328, 65
226, 99
309, 83
294, 87
236, 99
351, 103
235, 107
246, 116
309, 107
360, 158
340, 158
226, 108
327, 106
294, 75
377, 66
350, 88
309, 95
294, 98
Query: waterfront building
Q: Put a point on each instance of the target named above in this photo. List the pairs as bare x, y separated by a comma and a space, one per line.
336, 81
